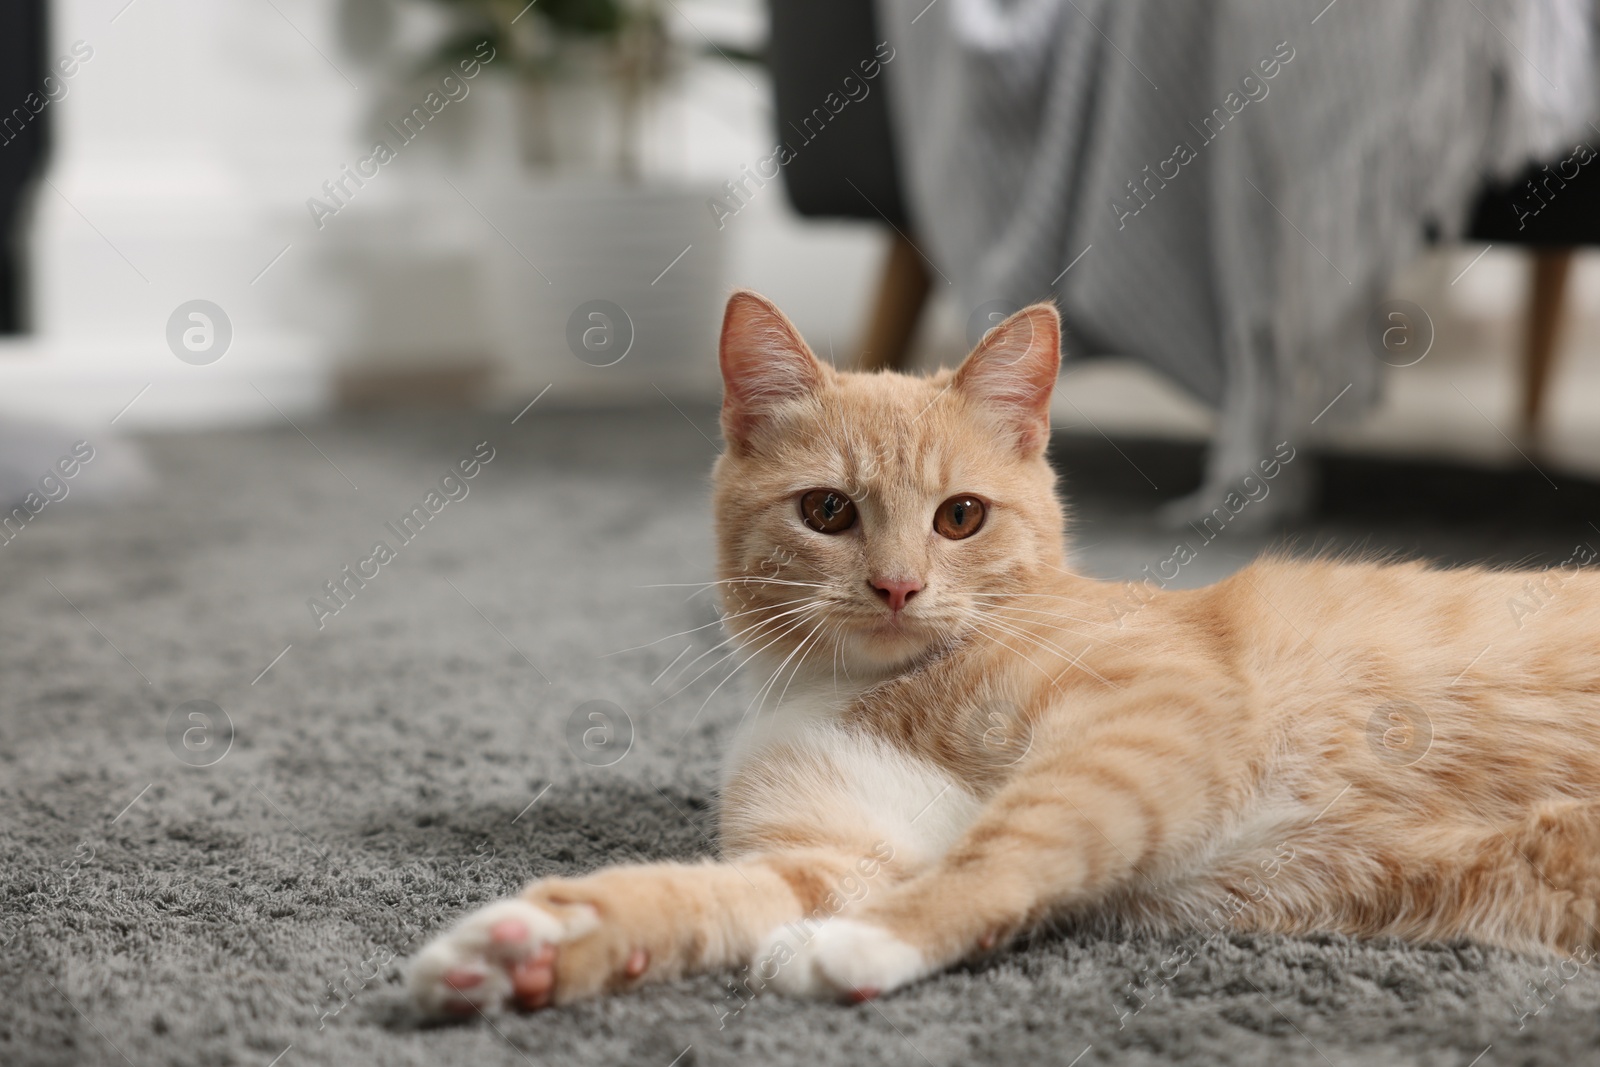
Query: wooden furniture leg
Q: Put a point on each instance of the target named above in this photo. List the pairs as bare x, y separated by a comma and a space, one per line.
1548, 295
902, 294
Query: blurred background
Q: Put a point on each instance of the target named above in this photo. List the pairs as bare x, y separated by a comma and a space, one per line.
216, 152
358, 392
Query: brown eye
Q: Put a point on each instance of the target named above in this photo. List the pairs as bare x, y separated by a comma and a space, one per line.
827, 511
959, 517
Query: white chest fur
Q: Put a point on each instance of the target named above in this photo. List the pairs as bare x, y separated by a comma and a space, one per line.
906, 801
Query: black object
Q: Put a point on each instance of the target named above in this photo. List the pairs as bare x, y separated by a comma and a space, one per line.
1556, 204
24, 140
845, 165
815, 43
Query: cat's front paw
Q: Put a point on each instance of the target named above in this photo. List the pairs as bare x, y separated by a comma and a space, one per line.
840, 959
497, 956
562, 940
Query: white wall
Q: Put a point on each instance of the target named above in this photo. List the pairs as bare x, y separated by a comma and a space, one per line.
188, 146
179, 149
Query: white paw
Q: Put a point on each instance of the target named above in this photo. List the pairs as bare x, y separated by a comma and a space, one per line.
471, 965
838, 959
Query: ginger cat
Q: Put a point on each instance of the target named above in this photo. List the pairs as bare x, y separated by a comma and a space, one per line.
959, 737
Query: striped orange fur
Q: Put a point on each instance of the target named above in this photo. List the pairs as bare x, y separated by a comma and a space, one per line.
1372, 749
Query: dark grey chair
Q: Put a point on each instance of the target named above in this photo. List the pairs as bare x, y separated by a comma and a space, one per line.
849, 168
851, 171
24, 141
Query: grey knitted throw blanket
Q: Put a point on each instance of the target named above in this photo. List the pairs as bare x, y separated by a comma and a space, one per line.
1221, 188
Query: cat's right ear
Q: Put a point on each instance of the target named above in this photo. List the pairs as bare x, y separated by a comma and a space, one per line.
764, 364
1013, 371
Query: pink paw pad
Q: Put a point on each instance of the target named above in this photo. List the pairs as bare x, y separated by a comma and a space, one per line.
461, 978
508, 932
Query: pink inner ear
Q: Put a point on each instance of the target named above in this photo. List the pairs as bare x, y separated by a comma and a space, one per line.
1013, 371
764, 362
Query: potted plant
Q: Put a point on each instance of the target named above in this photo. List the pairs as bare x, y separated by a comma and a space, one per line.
567, 57
585, 222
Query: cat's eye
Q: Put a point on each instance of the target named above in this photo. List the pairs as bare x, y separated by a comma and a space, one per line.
959, 517
827, 511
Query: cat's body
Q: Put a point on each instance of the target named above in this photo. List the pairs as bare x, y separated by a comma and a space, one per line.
1374, 791
955, 737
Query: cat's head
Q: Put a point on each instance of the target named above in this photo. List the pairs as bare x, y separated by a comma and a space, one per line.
873, 518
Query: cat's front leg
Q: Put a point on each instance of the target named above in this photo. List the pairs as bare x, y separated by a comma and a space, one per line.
1082, 817
568, 939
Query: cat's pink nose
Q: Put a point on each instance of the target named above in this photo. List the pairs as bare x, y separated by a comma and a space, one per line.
895, 591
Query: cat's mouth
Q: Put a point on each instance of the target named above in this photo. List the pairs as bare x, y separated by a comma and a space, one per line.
894, 642
896, 627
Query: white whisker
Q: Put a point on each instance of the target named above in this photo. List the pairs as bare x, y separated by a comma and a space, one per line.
1046, 614
806, 602
790, 629
815, 631
995, 613
728, 581
1075, 659
1025, 657
766, 688
673, 664
1044, 596
754, 632
721, 619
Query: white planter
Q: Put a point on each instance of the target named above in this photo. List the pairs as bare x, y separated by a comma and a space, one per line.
397, 280
651, 250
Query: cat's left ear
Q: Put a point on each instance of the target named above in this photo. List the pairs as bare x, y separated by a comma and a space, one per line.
1013, 371
765, 364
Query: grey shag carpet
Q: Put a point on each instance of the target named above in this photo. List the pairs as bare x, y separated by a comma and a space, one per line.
411, 759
